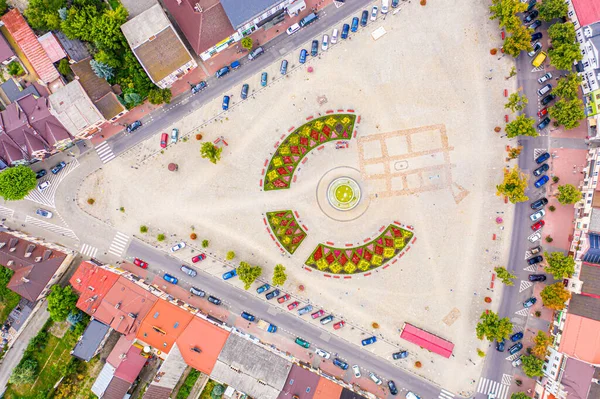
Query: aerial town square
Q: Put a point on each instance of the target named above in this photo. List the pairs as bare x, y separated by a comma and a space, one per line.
281, 199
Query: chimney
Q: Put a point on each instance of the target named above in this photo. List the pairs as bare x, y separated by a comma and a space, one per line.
197, 7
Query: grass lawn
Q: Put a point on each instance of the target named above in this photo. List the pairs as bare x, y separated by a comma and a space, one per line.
7, 304
188, 384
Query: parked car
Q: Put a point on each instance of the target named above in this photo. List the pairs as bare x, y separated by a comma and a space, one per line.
225, 103
174, 135
364, 18
515, 348
198, 258
140, 263
283, 68
272, 294
163, 140
244, 93
535, 250
544, 123
536, 36
356, 371
537, 277
542, 112
545, 89
44, 213
189, 271
411, 395
170, 279
536, 24
293, 305
43, 185
248, 316
322, 353
134, 126
345, 30
542, 158
262, 288
392, 387
334, 36
314, 49
537, 46
530, 302
399, 355
384, 6
214, 300
40, 173
541, 181
517, 362
199, 87
541, 170
325, 43
58, 167
395, 3
229, 274
305, 310
302, 343
375, 379
198, 292
535, 237
340, 363
254, 54
500, 345
539, 203
303, 55
374, 13
535, 260
263, 79
537, 215
293, 29
548, 99
339, 325
354, 26
516, 336
531, 5
369, 341
178, 246
538, 225
326, 320
222, 72
283, 298
531, 16
317, 314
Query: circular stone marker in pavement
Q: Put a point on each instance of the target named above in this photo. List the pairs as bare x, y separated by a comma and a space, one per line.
342, 195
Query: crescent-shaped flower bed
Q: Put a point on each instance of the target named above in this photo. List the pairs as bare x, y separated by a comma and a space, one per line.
300, 142
287, 230
361, 259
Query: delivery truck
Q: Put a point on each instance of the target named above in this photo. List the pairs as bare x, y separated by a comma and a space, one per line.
263, 325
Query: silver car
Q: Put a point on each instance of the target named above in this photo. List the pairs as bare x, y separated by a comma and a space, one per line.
197, 291
189, 271
537, 215
545, 78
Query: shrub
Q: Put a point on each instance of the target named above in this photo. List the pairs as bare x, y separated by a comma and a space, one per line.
198, 137
15, 69
63, 67
480, 353
493, 51
230, 255
122, 209
497, 129
193, 236
418, 364
91, 201
423, 2
555, 179
551, 208
143, 229
205, 243
375, 325
160, 237
549, 239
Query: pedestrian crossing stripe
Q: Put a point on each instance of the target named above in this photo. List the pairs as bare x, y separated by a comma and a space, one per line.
104, 152
506, 379
445, 394
88, 250
522, 312
513, 357
52, 227
6, 212
46, 197
487, 386
118, 244
525, 285
531, 269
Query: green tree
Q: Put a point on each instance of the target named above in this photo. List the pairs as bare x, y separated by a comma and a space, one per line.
248, 274
16, 182
568, 194
567, 113
160, 237
132, 99
247, 43
504, 11
554, 296
519, 395
230, 255
159, 96
516, 102
143, 229
491, 327
107, 28
205, 243
559, 265
102, 70
279, 276
504, 275
552, 9
15, 69
521, 126
43, 14
61, 302
514, 185
25, 372
568, 87
3, 6
542, 341
561, 33
519, 40
532, 366
64, 67
211, 152
565, 50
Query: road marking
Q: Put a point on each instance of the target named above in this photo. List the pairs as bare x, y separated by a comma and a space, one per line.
119, 244
531, 269
445, 394
52, 227
538, 151
525, 285
510, 358
6, 212
104, 152
522, 312
506, 379
46, 197
486, 387
88, 250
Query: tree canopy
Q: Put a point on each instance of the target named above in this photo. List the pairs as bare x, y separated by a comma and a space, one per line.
43, 14
17, 182
519, 39
505, 12
532, 366
567, 113
514, 185
568, 87
504, 275
279, 276
211, 152
25, 372
519, 395
568, 194
491, 327
559, 265
61, 302
159, 96
248, 274
542, 341
521, 126
552, 9
516, 101
555, 295
565, 50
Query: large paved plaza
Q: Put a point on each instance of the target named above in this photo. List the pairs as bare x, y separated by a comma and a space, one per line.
425, 155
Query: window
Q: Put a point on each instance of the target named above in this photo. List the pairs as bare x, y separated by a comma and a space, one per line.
307, 389
292, 381
176, 324
156, 315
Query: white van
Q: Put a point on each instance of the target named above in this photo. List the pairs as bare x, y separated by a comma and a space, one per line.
544, 90
293, 29
334, 36
384, 6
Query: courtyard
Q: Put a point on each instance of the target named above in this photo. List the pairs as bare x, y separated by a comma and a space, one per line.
421, 158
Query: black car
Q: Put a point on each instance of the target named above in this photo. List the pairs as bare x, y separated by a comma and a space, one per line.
515, 348
135, 125
536, 24
199, 87
244, 93
392, 387
532, 3
532, 15
399, 355
364, 18
500, 345
214, 300
546, 100
537, 277
536, 36
534, 260
535, 205
272, 294
314, 50
541, 170
545, 122
40, 173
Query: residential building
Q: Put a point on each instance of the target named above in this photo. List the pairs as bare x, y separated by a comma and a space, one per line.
13, 90
583, 12
75, 110
157, 47
52, 47
168, 376
37, 61
163, 325
136, 7
327, 389
76, 50
91, 341
200, 344
7, 55
92, 283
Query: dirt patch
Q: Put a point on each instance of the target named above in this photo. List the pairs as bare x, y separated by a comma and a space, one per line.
59, 329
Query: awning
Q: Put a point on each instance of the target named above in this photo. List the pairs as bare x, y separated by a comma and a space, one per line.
296, 7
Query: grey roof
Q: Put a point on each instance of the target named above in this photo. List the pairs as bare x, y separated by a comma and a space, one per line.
348, 394
594, 391
240, 12
20, 313
73, 108
259, 373
6, 52
75, 49
136, 7
585, 306
103, 379
171, 370
145, 26
590, 275
14, 91
595, 220
577, 378
90, 340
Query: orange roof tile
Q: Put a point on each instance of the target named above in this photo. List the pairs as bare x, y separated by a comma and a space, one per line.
163, 325
92, 283
327, 389
206, 337
581, 339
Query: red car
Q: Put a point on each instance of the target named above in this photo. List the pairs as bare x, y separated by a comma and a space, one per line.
198, 258
163, 140
543, 112
318, 313
293, 305
283, 298
140, 263
339, 325
538, 225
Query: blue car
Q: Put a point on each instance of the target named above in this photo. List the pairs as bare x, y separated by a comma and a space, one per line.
369, 341
58, 167
500, 346
235, 65
229, 274
516, 336
396, 2
248, 316
170, 279
364, 18
354, 27
222, 72
283, 68
515, 348
345, 30
541, 181
340, 363
263, 79
272, 294
225, 103
305, 310
542, 158
530, 302
303, 55
545, 122
262, 288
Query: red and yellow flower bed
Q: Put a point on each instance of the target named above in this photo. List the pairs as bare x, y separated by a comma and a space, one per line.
371, 255
286, 229
300, 142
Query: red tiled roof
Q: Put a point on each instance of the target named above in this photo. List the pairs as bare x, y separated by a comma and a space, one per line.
92, 283
163, 325
52, 47
588, 11
427, 340
119, 350
131, 365
581, 339
327, 389
29, 44
203, 336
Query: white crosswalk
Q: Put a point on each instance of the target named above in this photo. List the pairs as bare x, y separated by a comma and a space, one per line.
486, 387
119, 244
52, 227
445, 394
88, 250
6, 213
522, 312
46, 197
531, 269
525, 285
104, 152
506, 379
510, 358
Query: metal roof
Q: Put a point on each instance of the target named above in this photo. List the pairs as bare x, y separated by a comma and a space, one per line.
90, 341
241, 12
